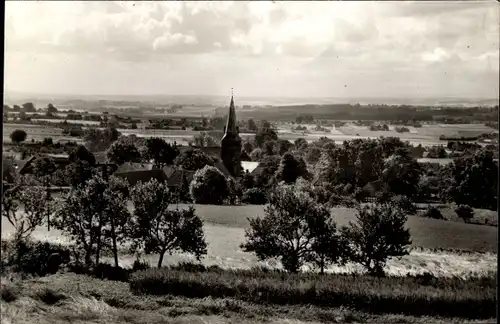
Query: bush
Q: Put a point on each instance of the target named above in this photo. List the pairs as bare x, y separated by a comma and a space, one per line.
254, 196
9, 293
342, 201
37, 258
140, 265
405, 203
433, 212
450, 297
50, 297
189, 267
465, 212
109, 272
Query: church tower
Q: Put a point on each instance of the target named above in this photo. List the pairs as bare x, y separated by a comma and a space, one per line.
230, 152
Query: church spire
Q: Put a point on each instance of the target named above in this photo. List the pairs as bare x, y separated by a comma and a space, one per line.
231, 118
231, 143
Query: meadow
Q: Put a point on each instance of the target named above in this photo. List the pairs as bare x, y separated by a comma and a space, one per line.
64, 298
444, 248
37, 133
427, 135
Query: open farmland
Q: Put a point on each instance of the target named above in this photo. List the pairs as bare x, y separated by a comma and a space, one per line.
56, 121
37, 132
224, 230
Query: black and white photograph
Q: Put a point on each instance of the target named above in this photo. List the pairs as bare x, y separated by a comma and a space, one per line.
250, 162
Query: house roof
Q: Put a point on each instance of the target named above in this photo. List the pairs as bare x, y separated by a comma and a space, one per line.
100, 157
134, 167
23, 166
222, 168
135, 176
257, 171
249, 166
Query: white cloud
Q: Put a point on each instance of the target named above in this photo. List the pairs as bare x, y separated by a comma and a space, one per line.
438, 55
322, 41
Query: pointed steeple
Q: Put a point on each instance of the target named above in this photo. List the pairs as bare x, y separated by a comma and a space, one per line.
231, 119
231, 143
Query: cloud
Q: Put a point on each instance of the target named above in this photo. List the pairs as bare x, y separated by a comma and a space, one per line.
320, 40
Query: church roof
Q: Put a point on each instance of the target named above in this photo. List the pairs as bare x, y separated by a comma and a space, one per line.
231, 119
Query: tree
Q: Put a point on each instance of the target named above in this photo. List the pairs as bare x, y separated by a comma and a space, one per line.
47, 141
378, 235
257, 154
300, 144
295, 229
284, 146
252, 126
264, 135
475, 180
235, 192
248, 147
118, 220
390, 145
160, 151
204, 140
28, 107
254, 196
209, 186
51, 109
34, 204
269, 165
247, 181
92, 215
402, 174
437, 152
43, 168
183, 194
158, 229
81, 154
18, 136
100, 140
290, 168
313, 154
78, 173
193, 159
123, 151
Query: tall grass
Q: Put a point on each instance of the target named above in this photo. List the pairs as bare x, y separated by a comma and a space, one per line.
420, 296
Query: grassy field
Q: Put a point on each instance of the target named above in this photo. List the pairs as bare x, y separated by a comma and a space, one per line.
418, 296
427, 135
37, 132
64, 298
432, 242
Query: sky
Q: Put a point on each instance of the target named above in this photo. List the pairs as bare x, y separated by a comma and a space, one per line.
273, 49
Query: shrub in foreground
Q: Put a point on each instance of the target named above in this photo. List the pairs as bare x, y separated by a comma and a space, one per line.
433, 212
36, 258
449, 297
465, 212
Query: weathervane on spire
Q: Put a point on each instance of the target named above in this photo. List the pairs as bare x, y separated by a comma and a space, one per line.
232, 92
